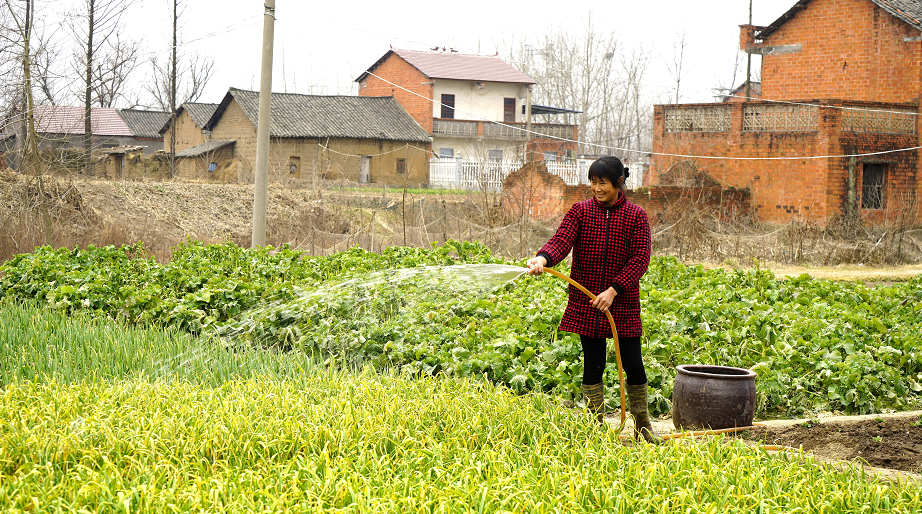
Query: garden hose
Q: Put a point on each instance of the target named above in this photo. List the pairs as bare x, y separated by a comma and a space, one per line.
614, 333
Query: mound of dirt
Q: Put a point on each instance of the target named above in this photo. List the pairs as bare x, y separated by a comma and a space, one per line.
881, 443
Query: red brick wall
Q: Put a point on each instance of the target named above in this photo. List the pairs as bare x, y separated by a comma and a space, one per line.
398, 71
661, 202
811, 189
534, 193
849, 49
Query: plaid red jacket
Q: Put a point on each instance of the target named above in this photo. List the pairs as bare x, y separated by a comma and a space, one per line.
611, 245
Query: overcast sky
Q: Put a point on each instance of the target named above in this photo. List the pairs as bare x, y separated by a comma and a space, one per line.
328, 44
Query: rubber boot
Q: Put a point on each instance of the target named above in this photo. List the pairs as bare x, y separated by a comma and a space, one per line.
637, 403
595, 400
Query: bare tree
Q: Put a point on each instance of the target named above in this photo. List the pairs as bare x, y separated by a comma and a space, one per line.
21, 37
675, 67
165, 84
95, 25
592, 72
191, 80
111, 71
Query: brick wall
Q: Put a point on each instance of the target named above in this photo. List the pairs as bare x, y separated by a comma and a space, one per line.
849, 49
398, 71
188, 134
811, 189
534, 193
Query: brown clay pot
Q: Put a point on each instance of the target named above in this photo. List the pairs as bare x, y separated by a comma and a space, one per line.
713, 397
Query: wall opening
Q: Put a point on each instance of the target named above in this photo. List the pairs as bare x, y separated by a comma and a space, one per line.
872, 186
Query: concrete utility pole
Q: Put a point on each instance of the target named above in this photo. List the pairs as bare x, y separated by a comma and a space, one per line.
262, 129
748, 62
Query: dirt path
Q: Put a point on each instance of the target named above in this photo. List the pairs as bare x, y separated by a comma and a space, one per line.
888, 445
853, 272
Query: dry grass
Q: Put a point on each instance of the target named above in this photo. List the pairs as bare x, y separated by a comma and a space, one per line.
334, 218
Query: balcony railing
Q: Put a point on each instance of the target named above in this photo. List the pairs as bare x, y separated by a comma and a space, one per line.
764, 117
455, 128
506, 130
879, 120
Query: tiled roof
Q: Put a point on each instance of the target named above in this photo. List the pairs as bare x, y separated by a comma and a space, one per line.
910, 11
360, 117
60, 119
144, 123
200, 113
203, 148
435, 65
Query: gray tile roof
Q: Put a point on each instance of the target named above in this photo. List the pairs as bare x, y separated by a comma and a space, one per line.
144, 123
359, 117
455, 66
203, 148
910, 11
200, 113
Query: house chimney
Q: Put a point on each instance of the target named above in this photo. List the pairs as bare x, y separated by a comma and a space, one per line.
748, 37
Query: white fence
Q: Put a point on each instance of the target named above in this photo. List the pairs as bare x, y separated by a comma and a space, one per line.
459, 174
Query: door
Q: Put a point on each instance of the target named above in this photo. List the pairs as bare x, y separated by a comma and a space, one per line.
365, 170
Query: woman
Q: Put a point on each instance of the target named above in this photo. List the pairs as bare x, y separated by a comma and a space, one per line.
610, 240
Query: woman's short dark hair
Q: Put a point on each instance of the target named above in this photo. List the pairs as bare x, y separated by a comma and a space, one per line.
608, 168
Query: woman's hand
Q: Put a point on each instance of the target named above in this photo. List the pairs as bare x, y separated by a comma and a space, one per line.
604, 300
536, 265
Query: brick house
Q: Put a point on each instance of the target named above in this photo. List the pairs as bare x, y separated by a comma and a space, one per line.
455, 97
839, 78
60, 130
191, 118
331, 137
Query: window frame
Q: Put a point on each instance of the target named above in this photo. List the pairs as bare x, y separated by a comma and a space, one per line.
448, 106
509, 110
870, 199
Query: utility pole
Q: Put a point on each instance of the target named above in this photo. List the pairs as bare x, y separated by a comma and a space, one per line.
173, 73
261, 186
528, 136
748, 59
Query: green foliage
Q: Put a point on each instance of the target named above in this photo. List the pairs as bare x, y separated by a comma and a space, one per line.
42, 345
816, 345
369, 442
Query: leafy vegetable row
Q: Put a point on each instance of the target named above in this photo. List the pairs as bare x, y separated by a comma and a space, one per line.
816, 345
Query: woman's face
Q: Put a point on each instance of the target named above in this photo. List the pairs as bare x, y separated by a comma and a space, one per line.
604, 190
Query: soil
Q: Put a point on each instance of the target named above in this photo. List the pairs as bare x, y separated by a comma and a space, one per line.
887, 445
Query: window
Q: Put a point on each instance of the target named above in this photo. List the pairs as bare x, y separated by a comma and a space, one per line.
446, 153
509, 110
401, 165
872, 186
294, 164
212, 166
550, 156
496, 155
448, 106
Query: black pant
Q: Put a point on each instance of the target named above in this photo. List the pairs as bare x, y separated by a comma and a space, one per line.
594, 357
